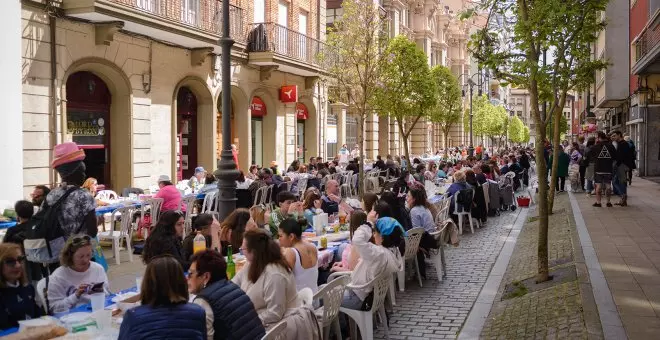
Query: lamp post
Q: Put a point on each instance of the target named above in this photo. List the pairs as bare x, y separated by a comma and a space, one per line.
471, 83
226, 172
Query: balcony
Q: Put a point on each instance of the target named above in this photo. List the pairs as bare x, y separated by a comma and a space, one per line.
276, 46
189, 23
646, 48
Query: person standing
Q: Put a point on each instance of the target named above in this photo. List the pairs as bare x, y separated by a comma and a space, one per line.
624, 161
343, 156
633, 150
582, 166
562, 169
603, 154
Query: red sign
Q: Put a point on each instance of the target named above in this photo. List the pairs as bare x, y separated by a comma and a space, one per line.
258, 107
289, 94
301, 111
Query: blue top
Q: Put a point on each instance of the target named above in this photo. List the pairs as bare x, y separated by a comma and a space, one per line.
421, 217
309, 216
441, 174
182, 321
454, 188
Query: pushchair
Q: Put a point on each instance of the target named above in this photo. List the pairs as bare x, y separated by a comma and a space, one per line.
506, 190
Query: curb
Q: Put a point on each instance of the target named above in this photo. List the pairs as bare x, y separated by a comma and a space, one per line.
481, 308
607, 311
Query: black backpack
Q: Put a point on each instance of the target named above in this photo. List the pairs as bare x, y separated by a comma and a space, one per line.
464, 198
45, 239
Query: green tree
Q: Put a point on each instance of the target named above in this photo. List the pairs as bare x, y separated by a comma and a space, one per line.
482, 108
406, 90
497, 122
447, 110
353, 60
516, 130
563, 125
526, 136
566, 29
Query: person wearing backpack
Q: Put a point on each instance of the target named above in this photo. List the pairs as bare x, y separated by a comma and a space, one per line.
66, 211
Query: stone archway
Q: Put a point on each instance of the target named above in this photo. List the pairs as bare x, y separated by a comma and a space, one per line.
204, 121
120, 117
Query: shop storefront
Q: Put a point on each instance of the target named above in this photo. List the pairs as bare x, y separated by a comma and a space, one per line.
186, 138
301, 116
88, 106
259, 111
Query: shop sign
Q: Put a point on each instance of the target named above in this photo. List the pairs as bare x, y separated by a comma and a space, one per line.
289, 94
258, 107
301, 111
86, 127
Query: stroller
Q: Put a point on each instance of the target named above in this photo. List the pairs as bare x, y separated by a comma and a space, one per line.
506, 190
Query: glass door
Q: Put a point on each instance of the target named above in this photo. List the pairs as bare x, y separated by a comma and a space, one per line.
257, 141
301, 140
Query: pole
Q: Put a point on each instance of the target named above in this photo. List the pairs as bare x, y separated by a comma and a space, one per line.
471, 148
227, 172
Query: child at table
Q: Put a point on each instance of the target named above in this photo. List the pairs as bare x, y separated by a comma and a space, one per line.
350, 258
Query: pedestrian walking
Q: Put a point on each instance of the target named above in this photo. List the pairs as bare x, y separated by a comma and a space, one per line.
603, 154
624, 161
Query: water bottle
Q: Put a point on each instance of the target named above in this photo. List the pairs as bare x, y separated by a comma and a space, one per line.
199, 243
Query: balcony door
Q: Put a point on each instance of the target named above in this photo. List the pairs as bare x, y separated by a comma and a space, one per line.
189, 11
302, 41
259, 11
281, 28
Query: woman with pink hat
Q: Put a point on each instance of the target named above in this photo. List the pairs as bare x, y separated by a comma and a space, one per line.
78, 210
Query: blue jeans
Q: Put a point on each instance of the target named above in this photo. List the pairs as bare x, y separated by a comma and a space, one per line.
620, 180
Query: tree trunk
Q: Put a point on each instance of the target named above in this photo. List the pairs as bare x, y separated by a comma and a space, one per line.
446, 146
404, 137
556, 119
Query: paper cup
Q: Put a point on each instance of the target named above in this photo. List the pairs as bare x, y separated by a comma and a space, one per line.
103, 318
98, 301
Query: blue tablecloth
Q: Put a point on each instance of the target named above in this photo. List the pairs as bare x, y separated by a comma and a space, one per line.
100, 211
5, 225
108, 302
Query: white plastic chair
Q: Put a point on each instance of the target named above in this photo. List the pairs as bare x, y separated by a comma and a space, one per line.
260, 195
154, 204
106, 195
124, 232
364, 319
278, 332
302, 186
207, 205
41, 295
412, 246
462, 212
306, 296
332, 295
442, 222
345, 190
189, 203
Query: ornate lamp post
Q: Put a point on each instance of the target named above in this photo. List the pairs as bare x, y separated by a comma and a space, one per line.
471, 83
227, 172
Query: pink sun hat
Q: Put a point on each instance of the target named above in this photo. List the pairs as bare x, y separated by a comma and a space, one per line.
66, 153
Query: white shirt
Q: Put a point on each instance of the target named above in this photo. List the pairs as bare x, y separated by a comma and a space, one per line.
64, 282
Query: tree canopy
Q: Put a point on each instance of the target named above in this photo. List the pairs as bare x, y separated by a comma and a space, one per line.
517, 130
447, 110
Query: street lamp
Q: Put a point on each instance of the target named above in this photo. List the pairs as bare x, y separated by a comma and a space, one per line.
227, 172
471, 83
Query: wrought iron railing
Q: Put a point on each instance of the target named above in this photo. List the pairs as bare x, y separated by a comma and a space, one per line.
648, 39
271, 37
202, 14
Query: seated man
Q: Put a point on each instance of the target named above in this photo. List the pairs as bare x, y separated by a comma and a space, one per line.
287, 207
331, 198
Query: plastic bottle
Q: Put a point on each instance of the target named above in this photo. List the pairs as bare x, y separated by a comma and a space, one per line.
199, 243
231, 266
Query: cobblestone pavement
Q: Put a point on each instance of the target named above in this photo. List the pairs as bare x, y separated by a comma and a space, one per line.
551, 313
439, 309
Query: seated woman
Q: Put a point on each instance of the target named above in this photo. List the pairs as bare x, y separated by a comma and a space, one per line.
397, 208
166, 239
350, 258
458, 185
90, 185
228, 309
233, 228
243, 182
288, 207
312, 206
384, 255
164, 312
266, 278
169, 193
421, 216
369, 199
17, 295
70, 284
210, 184
431, 172
301, 255
203, 224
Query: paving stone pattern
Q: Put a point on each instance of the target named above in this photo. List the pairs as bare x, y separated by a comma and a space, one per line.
439, 309
552, 313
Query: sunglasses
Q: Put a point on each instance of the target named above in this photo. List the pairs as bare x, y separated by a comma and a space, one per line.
13, 261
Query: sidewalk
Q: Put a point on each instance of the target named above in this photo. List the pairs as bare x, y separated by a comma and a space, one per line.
627, 243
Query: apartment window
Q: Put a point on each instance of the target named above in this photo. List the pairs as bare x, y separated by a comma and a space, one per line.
259, 11
189, 10
519, 113
283, 14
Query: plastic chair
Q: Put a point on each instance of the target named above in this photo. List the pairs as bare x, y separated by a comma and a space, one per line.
124, 232
460, 212
442, 222
41, 294
189, 203
306, 296
412, 246
345, 190
364, 319
155, 204
260, 195
106, 195
207, 205
278, 332
332, 295
302, 187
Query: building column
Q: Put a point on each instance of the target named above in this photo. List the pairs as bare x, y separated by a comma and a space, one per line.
339, 110
383, 136
11, 129
371, 136
290, 153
